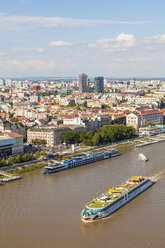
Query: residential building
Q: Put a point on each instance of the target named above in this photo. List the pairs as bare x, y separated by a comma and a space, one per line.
13, 127
143, 117
52, 135
34, 98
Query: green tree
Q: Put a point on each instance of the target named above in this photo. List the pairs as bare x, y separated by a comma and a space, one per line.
39, 141
18, 159
89, 135
82, 135
31, 157
72, 104
14, 119
43, 152
78, 107
70, 137
88, 142
11, 160
96, 139
85, 104
116, 121
59, 158
37, 155
3, 162
24, 158
150, 123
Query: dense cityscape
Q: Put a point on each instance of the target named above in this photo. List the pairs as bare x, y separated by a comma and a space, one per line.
82, 124
46, 113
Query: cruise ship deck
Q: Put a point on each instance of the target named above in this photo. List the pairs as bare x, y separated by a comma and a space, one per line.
115, 193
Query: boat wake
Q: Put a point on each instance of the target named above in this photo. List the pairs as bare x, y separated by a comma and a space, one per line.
158, 176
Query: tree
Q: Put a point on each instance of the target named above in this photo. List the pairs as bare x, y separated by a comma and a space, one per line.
72, 104
96, 139
89, 135
78, 107
105, 106
116, 121
39, 141
31, 157
14, 119
24, 158
82, 135
70, 137
88, 142
37, 154
11, 160
43, 152
3, 162
150, 123
85, 104
59, 158
18, 159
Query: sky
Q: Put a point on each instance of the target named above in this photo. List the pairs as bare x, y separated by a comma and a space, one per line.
63, 38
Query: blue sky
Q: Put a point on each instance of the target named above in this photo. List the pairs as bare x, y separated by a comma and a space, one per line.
119, 38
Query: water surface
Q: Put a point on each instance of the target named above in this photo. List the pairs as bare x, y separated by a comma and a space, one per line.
43, 211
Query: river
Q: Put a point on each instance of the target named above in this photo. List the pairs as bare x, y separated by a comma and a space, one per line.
43, 211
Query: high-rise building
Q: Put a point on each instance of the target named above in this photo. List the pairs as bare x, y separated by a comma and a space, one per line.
99, 84
83, 83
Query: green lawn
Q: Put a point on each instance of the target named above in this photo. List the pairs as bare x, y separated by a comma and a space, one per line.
98, 204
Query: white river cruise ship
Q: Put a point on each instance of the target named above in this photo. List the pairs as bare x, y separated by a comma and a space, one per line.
115, 198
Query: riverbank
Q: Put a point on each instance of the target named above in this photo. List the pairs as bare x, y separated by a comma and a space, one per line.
28, 168
14, 173
140, 141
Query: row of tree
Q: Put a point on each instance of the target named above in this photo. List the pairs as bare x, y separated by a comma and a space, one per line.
106, 134
21, 158
39, 141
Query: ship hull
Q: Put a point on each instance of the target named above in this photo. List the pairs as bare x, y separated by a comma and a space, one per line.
104, 214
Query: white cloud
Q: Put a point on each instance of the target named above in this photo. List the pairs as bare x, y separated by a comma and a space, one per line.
158, 39
138, 59
23, 65
19, 49
17, 41
34, 65
60, 43
154, 42
119, 60
2, 54
40, 50
20, 23
122, 42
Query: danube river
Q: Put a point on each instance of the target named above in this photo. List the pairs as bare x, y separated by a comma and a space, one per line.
43, 211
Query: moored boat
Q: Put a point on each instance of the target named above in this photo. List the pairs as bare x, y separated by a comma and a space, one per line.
115, 198
55, 166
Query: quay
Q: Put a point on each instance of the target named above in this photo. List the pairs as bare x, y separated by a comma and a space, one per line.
150, 140
8, 177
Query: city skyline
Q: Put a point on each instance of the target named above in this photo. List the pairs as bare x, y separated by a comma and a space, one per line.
62, 39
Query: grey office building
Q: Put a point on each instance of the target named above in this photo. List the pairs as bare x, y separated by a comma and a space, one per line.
83, 83
99, 84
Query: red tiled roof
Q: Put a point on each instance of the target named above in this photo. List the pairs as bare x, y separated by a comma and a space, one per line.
13, 135
149, 112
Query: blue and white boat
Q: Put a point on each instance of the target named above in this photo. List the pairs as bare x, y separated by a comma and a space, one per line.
54, 167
